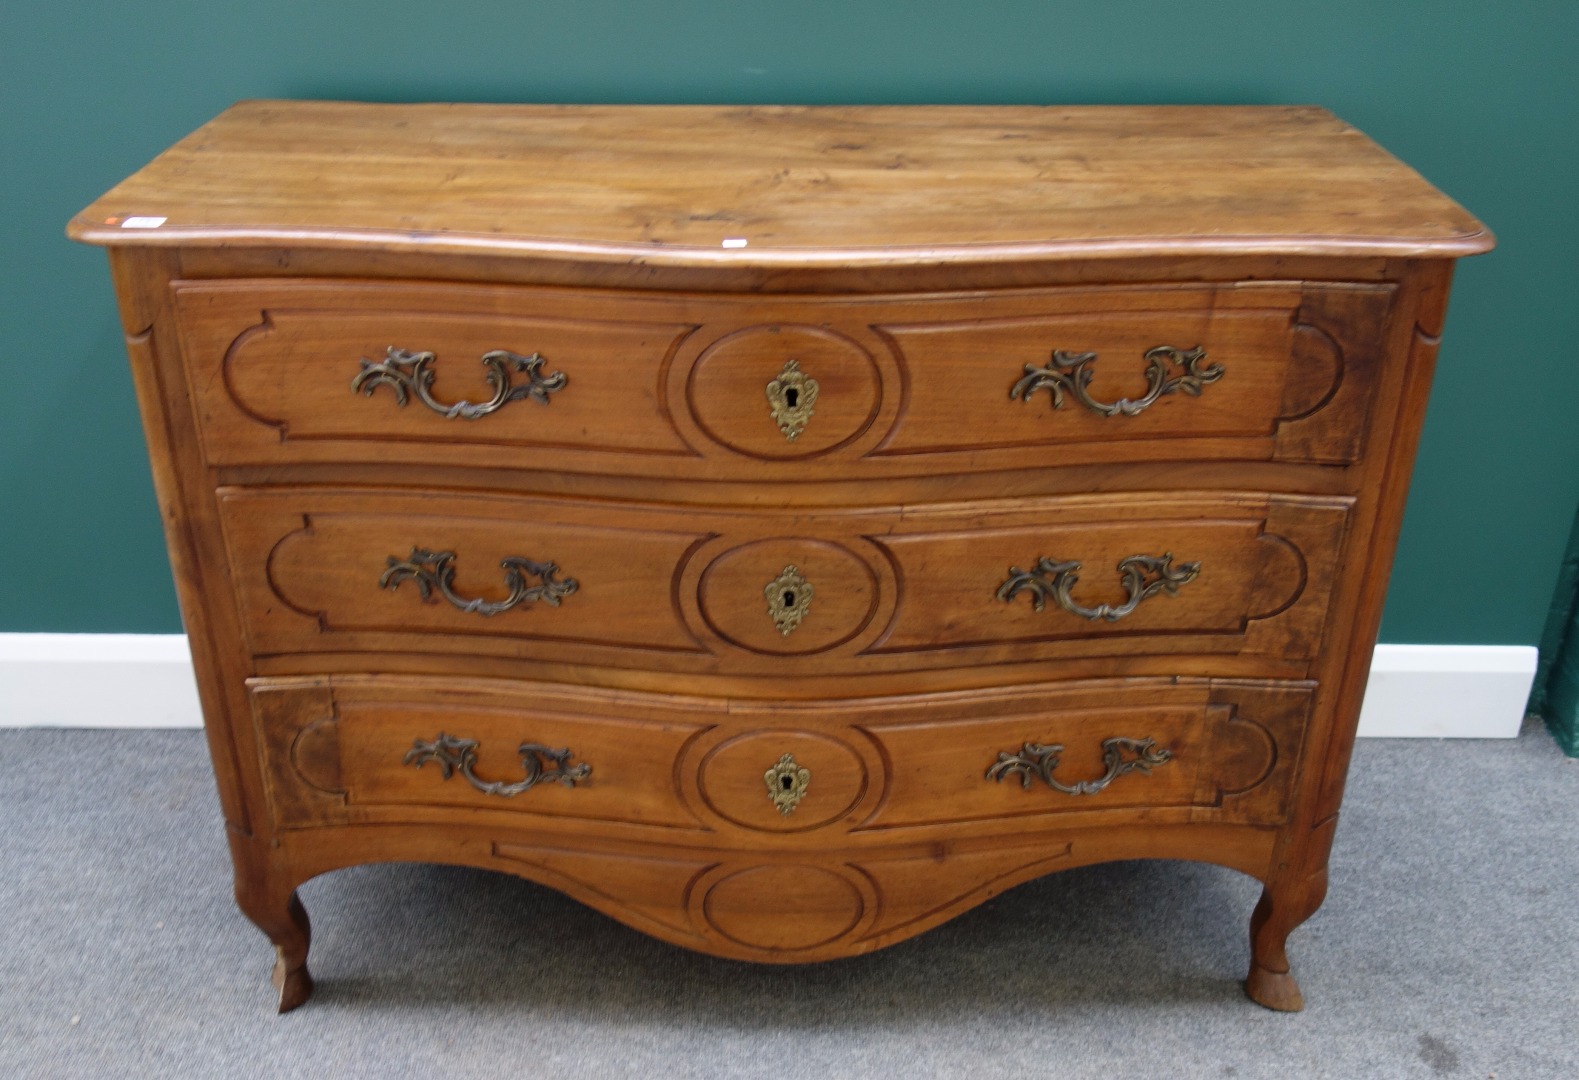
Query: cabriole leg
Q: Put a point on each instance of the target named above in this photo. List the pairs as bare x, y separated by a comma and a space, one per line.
1283, 906
278, 912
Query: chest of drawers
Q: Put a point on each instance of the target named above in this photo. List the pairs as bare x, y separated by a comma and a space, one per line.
780, 529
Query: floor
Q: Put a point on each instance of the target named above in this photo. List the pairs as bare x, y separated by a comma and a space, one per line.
1448, 947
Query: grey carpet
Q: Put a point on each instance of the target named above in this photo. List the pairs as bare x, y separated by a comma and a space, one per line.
1447, 947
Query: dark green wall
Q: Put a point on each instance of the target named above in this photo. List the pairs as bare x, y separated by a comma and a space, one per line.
1555, 694
1482, 98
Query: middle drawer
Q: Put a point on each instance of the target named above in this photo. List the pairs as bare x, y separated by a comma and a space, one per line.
729, 591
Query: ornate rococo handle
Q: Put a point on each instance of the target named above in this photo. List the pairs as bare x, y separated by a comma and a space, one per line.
1144, 576
454, 755
1120, 755
408, 373
435, 571
1072, 372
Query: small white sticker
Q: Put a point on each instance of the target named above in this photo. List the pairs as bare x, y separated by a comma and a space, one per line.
143, 222
735, 242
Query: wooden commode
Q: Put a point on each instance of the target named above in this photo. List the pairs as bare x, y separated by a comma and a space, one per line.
780, 528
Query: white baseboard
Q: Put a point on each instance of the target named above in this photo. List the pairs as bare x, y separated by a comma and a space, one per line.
97, 681
145, 681
1447, 691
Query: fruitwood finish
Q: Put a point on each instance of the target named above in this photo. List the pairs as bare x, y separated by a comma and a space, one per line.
780, 529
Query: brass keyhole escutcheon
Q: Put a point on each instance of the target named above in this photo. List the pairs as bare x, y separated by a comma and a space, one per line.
789, 599
791, 396
787, 782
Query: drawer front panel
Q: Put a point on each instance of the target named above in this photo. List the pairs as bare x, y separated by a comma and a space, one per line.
314, 571
731, 387
1227, 751
1144, 369
1112, 579
338, 750
289, 357
367, 749
734, 592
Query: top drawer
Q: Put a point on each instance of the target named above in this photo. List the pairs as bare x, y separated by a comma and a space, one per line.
741, 387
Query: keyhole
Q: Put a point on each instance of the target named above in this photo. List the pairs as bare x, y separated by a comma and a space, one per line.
789, 599
791, 396
786, 783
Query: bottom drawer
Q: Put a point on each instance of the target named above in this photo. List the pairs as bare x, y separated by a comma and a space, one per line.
737, 775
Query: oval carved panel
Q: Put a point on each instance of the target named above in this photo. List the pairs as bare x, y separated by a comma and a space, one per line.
733, 599
733, 784
728, 390
784, 907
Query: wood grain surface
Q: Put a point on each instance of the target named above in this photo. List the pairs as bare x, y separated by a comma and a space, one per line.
897, 589
801, 185
673, 385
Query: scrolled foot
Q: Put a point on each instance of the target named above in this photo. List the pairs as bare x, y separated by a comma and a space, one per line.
280, 915
1274, 989
295, 984
1271, 982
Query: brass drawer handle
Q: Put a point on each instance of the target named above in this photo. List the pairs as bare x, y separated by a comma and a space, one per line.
454, 755
1120, 755
1144, 577
408, 373
435, 570
791, 395
1072, 372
